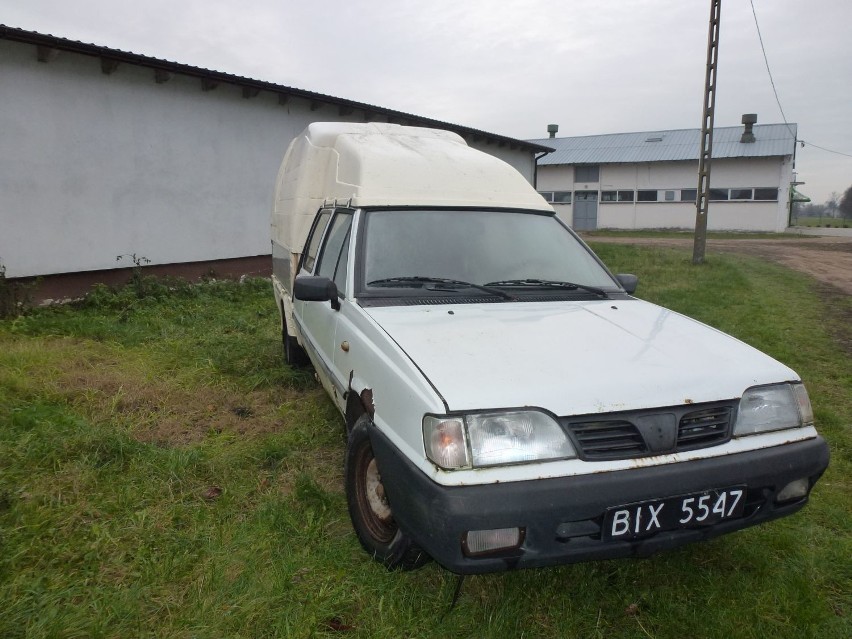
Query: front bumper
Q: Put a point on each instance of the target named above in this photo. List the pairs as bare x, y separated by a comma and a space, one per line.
562, 516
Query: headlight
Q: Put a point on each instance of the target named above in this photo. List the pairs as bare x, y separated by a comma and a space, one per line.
494, 439
767, 408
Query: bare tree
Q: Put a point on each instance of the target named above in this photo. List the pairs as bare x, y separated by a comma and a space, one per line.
845, 204
832, 204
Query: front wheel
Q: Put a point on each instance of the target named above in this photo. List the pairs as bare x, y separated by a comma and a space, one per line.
369, 508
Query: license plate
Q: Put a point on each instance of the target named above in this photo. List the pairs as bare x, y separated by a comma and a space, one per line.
646, 518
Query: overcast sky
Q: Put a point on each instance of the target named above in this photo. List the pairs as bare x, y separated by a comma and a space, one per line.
511, 66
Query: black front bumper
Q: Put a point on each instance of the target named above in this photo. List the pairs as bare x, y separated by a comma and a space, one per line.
562, 516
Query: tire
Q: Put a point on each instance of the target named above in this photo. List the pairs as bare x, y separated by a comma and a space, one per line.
369, 509
294, 355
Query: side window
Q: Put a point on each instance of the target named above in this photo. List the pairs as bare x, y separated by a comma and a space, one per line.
332, 262
340, 272
314, 239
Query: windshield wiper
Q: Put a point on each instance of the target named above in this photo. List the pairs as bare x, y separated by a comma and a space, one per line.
415, 279
534, 283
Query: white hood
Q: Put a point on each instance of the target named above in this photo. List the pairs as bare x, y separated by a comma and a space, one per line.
574, 357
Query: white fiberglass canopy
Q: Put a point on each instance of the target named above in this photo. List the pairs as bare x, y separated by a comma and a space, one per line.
389, 165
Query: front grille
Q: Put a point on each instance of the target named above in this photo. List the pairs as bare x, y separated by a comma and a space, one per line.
655, 431
704, 427
608, 439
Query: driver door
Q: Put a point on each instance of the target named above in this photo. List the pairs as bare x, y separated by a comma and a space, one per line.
318, 320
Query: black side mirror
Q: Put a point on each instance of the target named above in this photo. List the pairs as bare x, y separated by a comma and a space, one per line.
628, 282
312, 288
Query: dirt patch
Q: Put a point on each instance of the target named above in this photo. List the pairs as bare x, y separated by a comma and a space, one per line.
159, 410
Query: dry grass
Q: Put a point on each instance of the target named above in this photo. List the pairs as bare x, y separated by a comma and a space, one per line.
107, 384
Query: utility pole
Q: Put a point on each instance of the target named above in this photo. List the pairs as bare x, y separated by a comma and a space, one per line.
702, 200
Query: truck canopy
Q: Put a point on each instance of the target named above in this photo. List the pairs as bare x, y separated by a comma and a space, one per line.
388, 165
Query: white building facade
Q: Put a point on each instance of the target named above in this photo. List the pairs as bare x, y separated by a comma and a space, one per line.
109, 153
648, 180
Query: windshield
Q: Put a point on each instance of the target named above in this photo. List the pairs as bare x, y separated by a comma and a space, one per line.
476, 246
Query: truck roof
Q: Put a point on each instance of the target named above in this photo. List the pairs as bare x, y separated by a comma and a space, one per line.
377, 164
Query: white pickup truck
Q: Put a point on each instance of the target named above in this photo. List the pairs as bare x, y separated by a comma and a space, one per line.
508, 403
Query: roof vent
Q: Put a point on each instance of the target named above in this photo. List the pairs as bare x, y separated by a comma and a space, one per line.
658, 138
552, 129
749, 120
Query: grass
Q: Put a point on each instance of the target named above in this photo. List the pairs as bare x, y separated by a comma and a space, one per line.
822, 221
163, 474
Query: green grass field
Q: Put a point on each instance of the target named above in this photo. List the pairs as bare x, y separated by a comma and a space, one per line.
822, 221
164, 474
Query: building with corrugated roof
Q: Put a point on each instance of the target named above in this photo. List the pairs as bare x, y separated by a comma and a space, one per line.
110, 153
648, 179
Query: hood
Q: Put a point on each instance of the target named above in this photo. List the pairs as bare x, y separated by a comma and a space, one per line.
574, 357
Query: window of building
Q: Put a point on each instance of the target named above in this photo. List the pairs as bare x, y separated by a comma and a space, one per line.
646, 196
741, 194
547, 195
688, 195
670, 196
616, 196
561, 197
587, 173
717, 195
766, 194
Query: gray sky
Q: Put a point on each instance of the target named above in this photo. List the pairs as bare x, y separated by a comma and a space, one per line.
511, 66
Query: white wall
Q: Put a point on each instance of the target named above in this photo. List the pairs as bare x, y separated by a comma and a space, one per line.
557, 177
723, 215
94, 166
522, 161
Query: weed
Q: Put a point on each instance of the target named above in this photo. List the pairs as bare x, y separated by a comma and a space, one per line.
15, 296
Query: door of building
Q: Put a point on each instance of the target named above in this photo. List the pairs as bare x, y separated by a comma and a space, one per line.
585, 210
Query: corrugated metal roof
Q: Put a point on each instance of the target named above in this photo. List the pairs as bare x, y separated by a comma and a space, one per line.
346, 106
663, 146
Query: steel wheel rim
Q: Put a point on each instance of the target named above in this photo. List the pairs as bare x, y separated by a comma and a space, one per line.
372, 501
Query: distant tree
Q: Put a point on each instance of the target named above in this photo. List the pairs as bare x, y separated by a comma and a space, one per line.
832, 204
845, 205
809, 210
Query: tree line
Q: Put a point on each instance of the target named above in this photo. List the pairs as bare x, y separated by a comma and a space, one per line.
836, 206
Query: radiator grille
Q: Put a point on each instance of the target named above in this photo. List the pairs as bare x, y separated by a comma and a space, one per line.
622, 435
704, 428
608, 439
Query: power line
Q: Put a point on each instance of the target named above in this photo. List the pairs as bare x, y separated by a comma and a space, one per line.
768, 70
822, 148
775, 91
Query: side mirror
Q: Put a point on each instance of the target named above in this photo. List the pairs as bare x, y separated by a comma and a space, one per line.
628, 282
312, 288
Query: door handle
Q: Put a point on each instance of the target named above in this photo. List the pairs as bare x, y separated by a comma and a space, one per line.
344, 346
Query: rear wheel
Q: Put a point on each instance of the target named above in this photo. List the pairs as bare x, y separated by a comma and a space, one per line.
369, 509
294, 354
